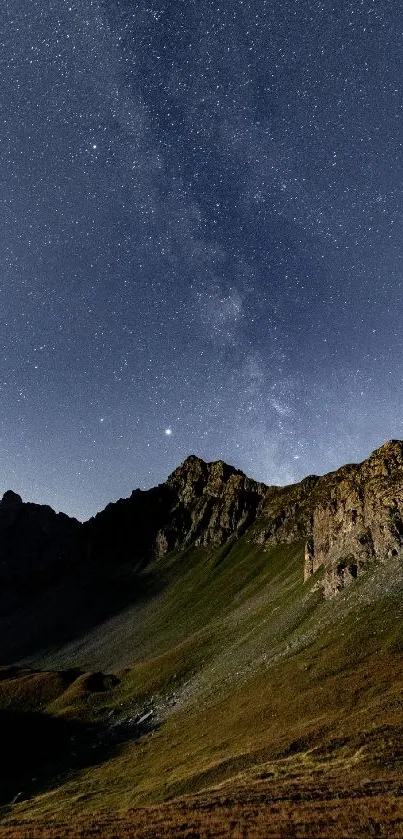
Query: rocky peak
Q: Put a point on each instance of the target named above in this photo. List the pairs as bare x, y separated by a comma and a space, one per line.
194, 477
212, 501
11, 497
32, 536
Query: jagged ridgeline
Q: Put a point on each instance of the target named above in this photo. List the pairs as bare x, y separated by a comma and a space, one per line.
209, 634
349, 519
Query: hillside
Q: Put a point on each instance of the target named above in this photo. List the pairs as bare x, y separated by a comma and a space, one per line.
214, 658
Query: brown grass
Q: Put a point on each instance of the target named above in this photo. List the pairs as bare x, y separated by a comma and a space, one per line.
265, 809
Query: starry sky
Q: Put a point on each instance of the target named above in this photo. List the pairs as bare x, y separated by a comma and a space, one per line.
201, 240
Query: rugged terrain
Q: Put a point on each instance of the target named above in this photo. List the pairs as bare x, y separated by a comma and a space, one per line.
212, 657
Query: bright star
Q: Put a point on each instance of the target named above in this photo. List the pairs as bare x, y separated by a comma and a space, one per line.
168, 432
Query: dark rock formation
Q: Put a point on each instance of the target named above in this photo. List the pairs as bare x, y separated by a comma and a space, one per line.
10, 497
32, 538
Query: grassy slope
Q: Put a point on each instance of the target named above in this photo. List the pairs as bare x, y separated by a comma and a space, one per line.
251, 677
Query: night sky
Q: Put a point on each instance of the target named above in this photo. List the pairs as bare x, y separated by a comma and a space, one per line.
201, 240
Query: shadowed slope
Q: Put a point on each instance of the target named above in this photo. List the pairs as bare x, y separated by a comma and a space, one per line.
109, 562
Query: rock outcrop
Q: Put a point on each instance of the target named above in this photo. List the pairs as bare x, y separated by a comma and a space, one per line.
358, 518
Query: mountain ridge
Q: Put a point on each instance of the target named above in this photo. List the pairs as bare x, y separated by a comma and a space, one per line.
203, 503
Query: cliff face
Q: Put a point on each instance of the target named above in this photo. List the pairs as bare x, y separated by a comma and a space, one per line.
358, 518
286, 513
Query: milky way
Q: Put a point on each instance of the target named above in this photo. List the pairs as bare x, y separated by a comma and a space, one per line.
201, 238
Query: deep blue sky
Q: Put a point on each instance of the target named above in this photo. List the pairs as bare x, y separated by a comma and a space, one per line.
201, 232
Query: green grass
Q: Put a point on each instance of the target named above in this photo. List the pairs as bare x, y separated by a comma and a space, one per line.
250, 674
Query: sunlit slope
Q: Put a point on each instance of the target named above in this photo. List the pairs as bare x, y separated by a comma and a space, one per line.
249, 675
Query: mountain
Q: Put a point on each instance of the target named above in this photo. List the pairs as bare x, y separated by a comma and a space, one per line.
32, 539
222, 656
349, 518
